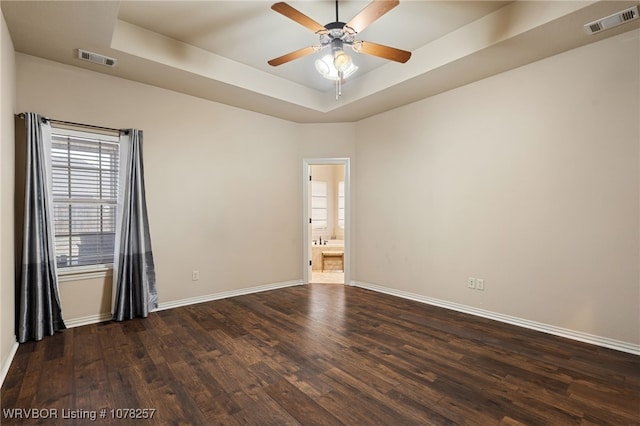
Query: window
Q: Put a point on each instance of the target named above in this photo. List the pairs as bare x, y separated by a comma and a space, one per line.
85, 197
319, 214
341, 204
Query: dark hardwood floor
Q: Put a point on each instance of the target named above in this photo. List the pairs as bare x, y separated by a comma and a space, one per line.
319, 355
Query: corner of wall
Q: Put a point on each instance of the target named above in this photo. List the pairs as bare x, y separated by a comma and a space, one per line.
8, 344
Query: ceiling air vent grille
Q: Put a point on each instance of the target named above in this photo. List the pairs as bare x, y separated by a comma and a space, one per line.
594, 28
96, 58
612, 20
629, 14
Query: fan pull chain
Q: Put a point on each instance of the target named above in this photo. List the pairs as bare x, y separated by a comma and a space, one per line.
339, 85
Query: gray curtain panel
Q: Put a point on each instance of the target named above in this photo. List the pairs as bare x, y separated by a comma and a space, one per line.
39, 312
134, 277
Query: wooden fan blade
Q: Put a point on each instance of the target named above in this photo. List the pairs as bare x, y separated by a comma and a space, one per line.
373, 11
381, 51
297, 16
291, 56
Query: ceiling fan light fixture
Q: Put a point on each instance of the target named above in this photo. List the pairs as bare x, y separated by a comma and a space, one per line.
323, 67
326, 67
342, 61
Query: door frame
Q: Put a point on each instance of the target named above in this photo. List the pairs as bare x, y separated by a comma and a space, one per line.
306, 214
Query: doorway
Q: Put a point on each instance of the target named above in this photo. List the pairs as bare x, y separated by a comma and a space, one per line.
326, 208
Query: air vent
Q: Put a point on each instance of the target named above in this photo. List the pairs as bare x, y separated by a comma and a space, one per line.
594, 28
96, 58
612, 20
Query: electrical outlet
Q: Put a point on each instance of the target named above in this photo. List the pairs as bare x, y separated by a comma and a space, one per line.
479, 284
195, 275
471, 282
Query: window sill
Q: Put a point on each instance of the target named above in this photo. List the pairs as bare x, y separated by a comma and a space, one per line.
84, 273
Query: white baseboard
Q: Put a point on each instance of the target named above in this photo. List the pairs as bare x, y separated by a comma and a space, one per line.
521, 322
6, 363
225, 294
91, 319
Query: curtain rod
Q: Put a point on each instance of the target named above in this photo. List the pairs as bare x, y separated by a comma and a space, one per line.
71, 123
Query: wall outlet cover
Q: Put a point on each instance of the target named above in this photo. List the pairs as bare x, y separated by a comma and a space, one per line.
471, 282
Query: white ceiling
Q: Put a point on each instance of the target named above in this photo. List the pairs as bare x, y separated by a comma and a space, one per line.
218, 50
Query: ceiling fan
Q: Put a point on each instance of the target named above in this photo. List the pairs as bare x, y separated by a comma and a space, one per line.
338, 34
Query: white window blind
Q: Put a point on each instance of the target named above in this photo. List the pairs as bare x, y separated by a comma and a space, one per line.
341, 204
85, 196
319, 204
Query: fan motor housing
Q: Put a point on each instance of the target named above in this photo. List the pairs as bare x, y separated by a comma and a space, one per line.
336, 31
335, 25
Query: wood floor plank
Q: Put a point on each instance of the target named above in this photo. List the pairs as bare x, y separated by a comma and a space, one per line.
299, 405
321, 354
265, 412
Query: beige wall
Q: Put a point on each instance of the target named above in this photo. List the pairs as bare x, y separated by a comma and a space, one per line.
208, 167
529, 180
7, 104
